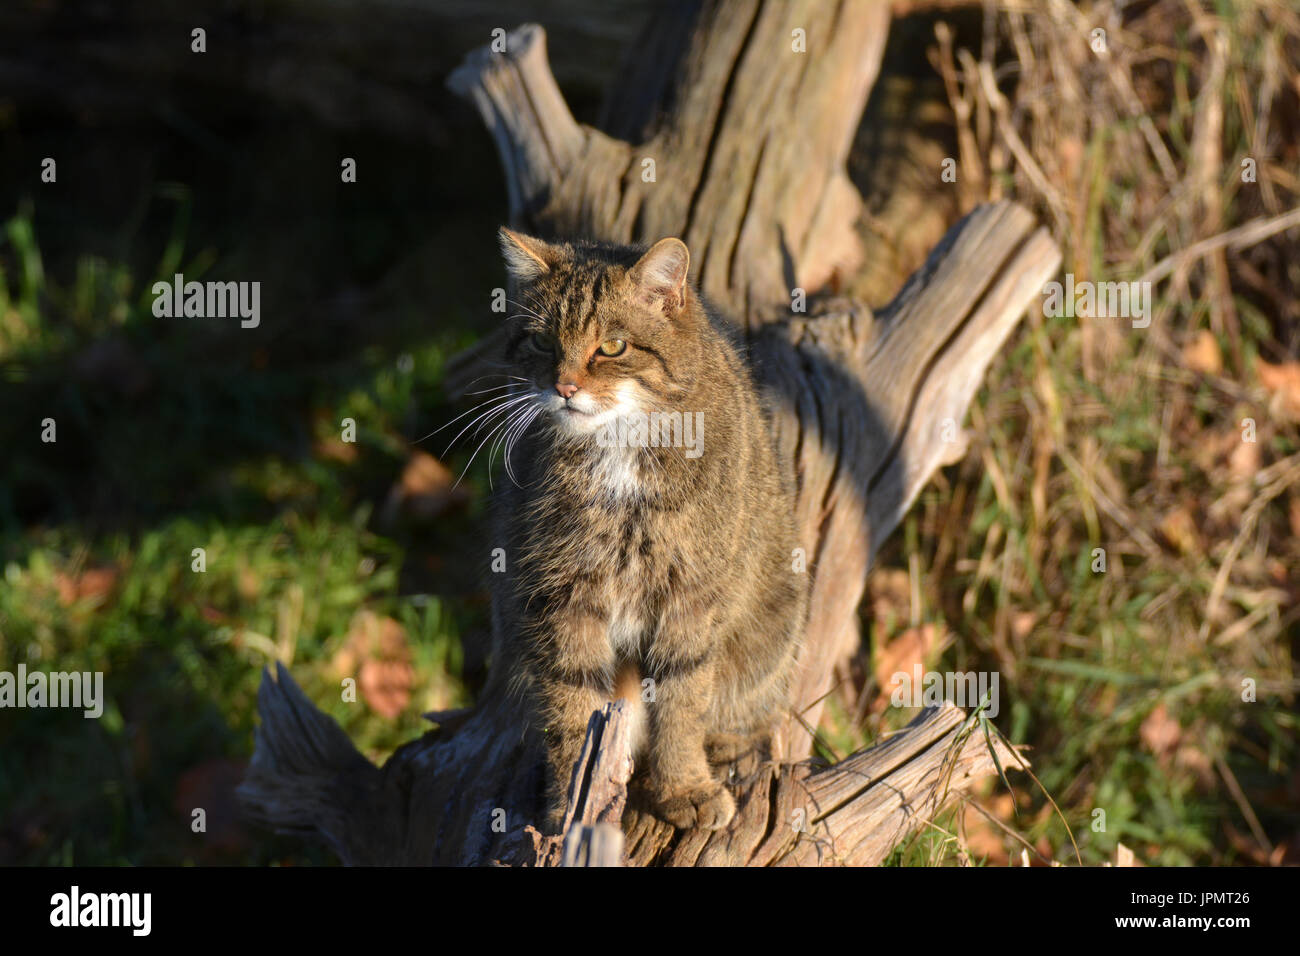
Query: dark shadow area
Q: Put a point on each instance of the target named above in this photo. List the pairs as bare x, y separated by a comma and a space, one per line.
226, 165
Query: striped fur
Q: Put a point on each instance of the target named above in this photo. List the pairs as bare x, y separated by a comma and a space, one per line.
641, 560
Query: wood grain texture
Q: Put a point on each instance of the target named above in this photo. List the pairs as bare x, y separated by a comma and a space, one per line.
750, 150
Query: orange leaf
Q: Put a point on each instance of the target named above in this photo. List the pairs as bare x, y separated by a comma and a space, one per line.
377, 652
425, 490
904, 654
1283, 382
1202, 354
1160, 732
1179, 528
93, 584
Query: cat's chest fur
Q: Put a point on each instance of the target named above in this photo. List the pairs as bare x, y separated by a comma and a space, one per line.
617, 473
608, 517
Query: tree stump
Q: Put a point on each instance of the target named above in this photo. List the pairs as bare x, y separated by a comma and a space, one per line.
747, 140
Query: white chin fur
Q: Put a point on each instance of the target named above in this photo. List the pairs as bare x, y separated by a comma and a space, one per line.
615, 470
589, 416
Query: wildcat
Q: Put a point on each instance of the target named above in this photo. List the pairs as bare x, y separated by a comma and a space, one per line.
636, 567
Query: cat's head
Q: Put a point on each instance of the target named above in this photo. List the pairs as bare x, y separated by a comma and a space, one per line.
600, 331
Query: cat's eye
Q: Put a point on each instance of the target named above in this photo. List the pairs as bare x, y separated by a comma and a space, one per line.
542, 342
612, 347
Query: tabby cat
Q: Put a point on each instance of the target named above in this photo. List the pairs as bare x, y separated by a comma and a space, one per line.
653, 561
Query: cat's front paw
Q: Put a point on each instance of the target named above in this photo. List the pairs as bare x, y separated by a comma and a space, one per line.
710, 807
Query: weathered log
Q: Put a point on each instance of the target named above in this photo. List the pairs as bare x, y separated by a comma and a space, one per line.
435, 800
748, 157
864, 407
306, 778
593, 835
871, 407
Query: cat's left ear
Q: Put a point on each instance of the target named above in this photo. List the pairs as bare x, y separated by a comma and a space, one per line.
526, 257
660, 274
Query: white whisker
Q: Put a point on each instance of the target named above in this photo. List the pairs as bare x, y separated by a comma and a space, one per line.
485, 440
496, 388
503, 436
514, 437
513, 417
477, 423
530, 311
480, 405
517, 378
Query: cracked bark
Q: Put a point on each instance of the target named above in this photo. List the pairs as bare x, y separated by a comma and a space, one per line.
749, 145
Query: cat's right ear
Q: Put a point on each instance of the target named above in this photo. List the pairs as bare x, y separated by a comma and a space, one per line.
660, 275
526, 257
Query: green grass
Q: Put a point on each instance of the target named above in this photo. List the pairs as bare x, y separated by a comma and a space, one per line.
175, 436
231, 460
1127, 685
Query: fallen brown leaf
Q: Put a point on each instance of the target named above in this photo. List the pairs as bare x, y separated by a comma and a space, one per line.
1022, 624
1125, 857
386, 686
905, 653
1179, 529
377, 654
1202, 354
1283, 383
93, 584
336, 449
1243, 466
425, 490
1160, 732
1190, 757
1243, 463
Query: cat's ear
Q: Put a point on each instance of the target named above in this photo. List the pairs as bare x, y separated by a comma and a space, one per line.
526, 257
660, 274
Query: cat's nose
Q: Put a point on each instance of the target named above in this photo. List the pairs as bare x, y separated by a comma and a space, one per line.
566, 389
